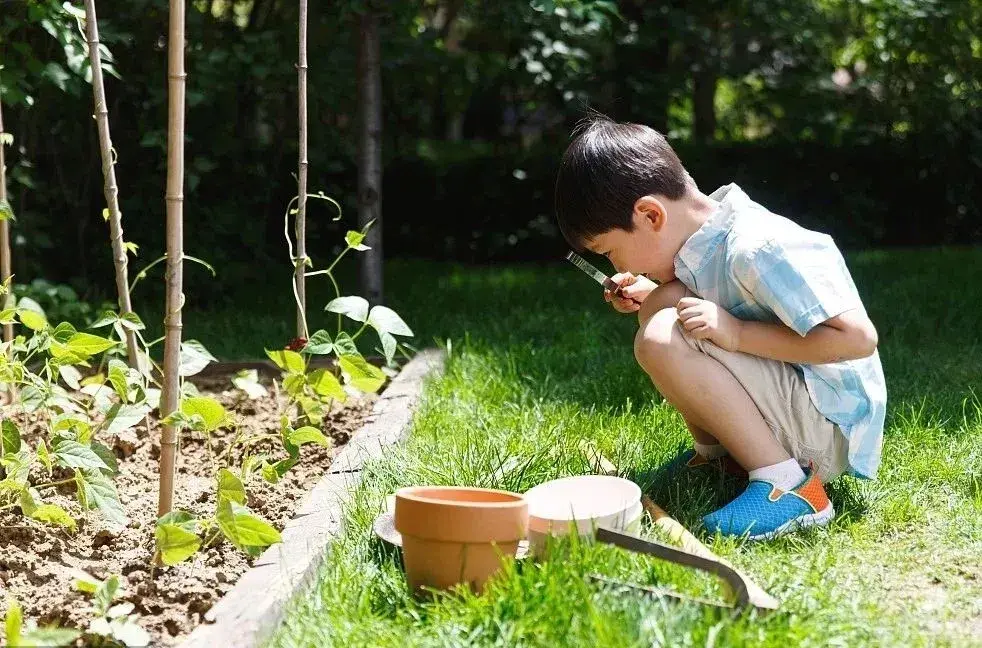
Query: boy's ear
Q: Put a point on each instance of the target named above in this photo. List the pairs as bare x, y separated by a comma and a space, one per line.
651, 211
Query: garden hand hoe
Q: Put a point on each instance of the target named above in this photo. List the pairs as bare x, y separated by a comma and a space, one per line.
693, 553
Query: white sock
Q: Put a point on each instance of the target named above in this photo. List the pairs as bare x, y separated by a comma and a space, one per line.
709, 450
785, 475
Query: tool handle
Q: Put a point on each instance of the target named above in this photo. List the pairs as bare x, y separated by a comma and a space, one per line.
676, 532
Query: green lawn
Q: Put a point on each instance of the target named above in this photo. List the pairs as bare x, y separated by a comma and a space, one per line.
539, 362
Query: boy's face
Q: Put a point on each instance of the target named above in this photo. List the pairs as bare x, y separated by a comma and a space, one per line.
650, 248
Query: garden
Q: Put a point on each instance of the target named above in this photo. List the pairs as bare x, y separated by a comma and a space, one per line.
222, 369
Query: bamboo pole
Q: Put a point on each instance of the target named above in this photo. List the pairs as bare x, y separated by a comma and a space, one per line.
370, 152
301, 222
5, 267
109, 177
175, 249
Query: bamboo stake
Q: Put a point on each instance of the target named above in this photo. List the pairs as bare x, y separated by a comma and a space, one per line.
370, 152
301, 223
5, 268
175, 249
109, 176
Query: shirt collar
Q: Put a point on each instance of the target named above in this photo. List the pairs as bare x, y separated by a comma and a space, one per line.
698, 248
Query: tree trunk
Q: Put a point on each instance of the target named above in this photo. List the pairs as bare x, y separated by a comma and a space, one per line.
370, 154
8, 329
300, 263
175, 250
109, 177
704, 104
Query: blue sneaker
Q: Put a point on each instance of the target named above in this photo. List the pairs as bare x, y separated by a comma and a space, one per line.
764, 511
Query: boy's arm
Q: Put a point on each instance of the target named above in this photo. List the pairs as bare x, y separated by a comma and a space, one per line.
848, 336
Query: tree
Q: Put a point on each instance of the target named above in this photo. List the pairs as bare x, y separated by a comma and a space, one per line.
175, 251
114, 216
370, 152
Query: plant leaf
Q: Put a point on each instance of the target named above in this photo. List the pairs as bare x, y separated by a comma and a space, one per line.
106, 593
9, 437
344, 345
364, 376
194, 358
175, 543
50, 637
44, 455
319, 343
73, 454
14, 622
325, 383
63, 332
354, 239
53, 514
354, 307
107, 318
132, 321
244, 529
287, 360
386, 320
248, 381
270, 473
230, 487
32, 320
100, 492
389, 345
107, 457
123, 417
71, 376
88, 345
212, 414
309, 434
87, 583
181, 518
117, 378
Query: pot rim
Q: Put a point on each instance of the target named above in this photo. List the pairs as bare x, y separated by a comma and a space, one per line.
414, 493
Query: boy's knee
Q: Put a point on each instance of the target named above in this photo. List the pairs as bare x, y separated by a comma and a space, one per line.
658, 339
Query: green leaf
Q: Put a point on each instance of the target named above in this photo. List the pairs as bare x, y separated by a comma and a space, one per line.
270, 474
71, 376
131, 247
354, 241
32, 320
344, 345
106, 319
28, 501
248, 381
389, 345
106, 593
73, 454
63, 332
213, 415
287, 360
100, 492
14, 622
50, 637
175, 543
53, 514
44, 455
309, 434
319, 343
354, 307
132, 321
9, 437
117, 378
244, 529
313, 408
194, 358
364, 376
107, 457
294, 383
8, 315
326, 384
123, 417
183, 519
26, 303
86, 583
386, 320
88, 344
230, 487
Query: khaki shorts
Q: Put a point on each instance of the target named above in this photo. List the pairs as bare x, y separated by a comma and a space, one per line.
779, 392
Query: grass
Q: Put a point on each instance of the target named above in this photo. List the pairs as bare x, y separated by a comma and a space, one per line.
538, 362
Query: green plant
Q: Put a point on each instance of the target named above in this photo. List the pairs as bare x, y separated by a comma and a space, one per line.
113, 624
59, 302
49, 636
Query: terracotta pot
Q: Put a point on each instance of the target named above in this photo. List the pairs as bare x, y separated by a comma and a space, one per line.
453, 534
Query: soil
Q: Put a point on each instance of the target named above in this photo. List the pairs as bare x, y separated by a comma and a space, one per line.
39, 563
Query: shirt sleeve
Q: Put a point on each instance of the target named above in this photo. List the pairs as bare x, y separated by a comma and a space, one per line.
804, 282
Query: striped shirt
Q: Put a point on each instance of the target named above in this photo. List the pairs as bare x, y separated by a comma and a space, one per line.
761, 266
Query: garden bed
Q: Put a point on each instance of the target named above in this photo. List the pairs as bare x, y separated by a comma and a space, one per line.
39, 564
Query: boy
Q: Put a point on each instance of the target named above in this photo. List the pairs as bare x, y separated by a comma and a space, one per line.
755, 331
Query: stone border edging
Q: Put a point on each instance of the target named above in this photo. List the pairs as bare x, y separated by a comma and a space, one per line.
249, 612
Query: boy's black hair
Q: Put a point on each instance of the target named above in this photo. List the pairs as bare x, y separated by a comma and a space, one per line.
607, 167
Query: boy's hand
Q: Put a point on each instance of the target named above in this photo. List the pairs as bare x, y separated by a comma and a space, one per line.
632, 291
705, 320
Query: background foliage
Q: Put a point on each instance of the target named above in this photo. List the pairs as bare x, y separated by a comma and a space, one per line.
861, 118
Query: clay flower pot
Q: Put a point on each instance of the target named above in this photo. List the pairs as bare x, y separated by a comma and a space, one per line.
453, 534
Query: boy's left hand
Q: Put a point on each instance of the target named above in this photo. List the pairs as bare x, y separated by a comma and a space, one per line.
705, 320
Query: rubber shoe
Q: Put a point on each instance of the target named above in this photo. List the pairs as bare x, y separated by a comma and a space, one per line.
726, 463
764, 511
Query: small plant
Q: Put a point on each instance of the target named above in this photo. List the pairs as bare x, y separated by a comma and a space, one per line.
112, 623
18, 635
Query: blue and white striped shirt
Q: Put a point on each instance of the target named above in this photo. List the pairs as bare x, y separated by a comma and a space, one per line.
761, 266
